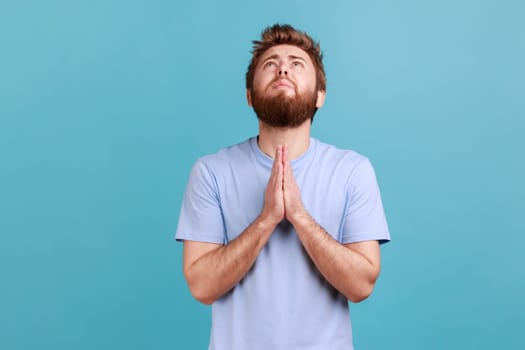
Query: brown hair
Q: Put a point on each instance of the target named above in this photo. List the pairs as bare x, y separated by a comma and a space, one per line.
287, 35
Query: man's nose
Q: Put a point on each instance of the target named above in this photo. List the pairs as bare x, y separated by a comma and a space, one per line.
283, 71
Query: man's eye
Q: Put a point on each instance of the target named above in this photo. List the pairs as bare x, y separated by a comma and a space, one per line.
297, 64
269, 64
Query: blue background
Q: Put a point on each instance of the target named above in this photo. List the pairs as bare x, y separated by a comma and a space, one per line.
105, 105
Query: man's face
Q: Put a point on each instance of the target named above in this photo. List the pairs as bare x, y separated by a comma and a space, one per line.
284, 87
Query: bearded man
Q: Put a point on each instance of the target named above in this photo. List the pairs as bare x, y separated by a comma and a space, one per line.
282, 230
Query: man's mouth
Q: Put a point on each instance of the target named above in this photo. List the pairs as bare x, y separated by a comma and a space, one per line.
282, 84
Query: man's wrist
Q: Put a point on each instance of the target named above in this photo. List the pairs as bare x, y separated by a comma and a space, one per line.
301, 219
265, 223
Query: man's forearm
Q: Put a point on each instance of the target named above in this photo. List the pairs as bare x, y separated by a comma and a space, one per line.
351, 273
218, 271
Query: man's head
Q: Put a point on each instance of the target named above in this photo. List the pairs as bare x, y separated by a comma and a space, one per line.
285, 81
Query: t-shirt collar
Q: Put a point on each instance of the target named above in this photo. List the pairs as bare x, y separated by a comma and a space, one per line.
268, 161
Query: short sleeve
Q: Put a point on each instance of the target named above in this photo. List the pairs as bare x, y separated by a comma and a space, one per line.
200, 215
364, 215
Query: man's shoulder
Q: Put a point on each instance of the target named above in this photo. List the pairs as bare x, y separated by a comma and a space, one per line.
230, 154
332, 153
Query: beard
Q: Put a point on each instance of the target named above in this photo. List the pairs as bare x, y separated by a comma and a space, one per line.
283, 111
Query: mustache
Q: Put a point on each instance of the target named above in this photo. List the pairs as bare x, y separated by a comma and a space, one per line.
276, 80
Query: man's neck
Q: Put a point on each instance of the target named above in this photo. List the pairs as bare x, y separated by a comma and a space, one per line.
297, 139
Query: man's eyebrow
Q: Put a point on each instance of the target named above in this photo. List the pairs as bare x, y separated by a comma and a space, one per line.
276, 56
296, 58
272, 57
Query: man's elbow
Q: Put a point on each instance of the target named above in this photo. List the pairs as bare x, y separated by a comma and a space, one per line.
198, 290
360, 294
202, 297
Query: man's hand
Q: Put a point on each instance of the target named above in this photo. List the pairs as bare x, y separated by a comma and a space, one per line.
282, 198
273, 210
293, 204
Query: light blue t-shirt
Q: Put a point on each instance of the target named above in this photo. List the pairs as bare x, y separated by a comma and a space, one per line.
283, 302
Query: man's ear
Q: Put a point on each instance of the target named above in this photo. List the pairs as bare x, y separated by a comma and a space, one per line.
321, 95
249, 97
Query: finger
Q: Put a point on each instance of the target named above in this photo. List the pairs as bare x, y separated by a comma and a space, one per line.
279, 163
276, 178
285, 153
279, 154
286, 164
276, 160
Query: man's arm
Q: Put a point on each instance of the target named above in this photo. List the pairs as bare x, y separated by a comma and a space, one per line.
212, 269
352, 268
